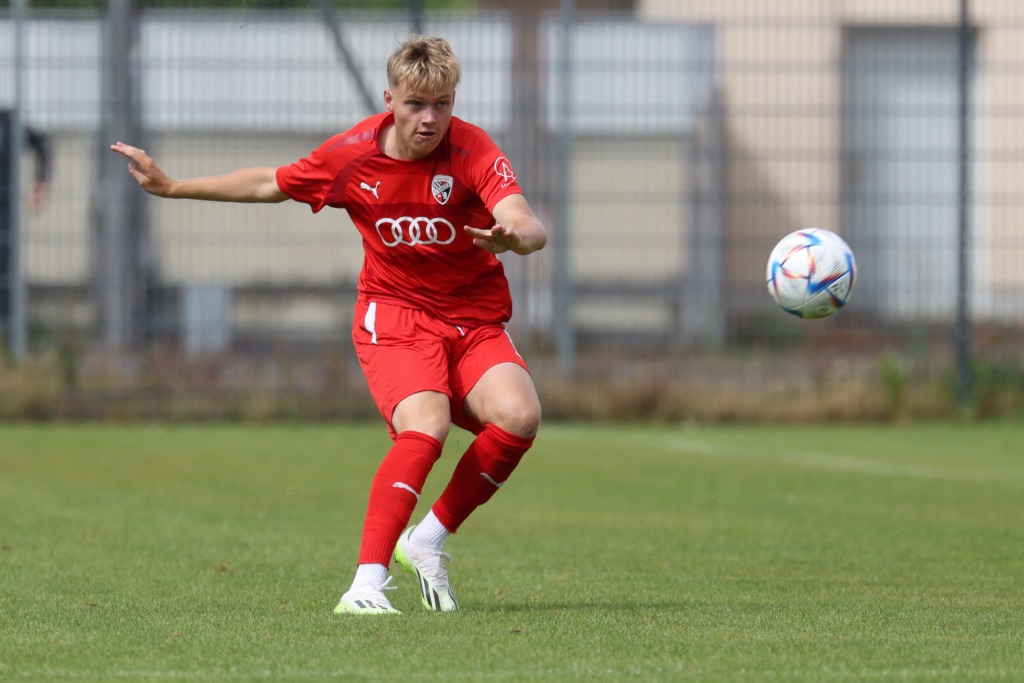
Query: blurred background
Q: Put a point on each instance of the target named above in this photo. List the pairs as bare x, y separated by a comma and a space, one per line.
666, 144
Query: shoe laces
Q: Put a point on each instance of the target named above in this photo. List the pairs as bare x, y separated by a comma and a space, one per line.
370, 588
434, 567
385, 587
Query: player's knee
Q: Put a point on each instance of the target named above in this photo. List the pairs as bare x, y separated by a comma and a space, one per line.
435, 428
440, 427
434, 423
521, 418
439, 430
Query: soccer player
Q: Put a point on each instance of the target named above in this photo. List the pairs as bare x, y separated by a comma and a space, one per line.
434, 200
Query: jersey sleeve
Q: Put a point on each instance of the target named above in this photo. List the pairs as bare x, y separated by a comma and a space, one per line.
491, 172
308, 180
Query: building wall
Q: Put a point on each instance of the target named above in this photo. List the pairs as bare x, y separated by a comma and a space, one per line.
779, 71
251, 244
58, 232
196, 242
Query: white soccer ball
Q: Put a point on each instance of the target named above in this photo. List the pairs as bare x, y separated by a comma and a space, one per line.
811, 273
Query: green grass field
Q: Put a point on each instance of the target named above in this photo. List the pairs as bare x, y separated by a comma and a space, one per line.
711, 553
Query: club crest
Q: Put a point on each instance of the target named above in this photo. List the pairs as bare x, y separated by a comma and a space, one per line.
441, 188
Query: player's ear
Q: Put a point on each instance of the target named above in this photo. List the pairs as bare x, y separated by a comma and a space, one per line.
388, 99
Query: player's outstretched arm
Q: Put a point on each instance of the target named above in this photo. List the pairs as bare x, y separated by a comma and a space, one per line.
517, 229
248, 185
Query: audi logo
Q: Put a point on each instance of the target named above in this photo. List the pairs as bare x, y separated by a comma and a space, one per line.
414, 231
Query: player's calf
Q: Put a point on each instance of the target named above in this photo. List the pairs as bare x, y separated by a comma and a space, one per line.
483, 469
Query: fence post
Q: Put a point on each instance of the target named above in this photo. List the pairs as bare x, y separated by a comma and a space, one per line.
963, 324
346, 57
565, 333
525, 136
703, 324
416, 11
117, 258
16, 135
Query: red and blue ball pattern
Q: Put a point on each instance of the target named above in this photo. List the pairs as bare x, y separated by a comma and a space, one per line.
811, 273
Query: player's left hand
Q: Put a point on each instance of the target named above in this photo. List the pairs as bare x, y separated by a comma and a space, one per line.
496, 240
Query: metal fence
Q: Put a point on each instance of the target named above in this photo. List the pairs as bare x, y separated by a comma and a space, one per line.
666, 150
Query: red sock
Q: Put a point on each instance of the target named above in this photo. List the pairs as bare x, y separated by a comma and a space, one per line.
485, 466
396, 488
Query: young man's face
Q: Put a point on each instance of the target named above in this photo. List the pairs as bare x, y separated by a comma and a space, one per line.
421, 119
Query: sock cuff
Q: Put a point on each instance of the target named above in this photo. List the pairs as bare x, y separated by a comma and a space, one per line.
431, 532
421, 444
510, 443
373, 574
445, 516
376, 549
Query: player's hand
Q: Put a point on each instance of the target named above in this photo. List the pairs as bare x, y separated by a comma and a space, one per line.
145, 170
496, 240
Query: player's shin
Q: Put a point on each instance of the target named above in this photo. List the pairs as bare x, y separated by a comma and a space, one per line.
485, 466
393, 495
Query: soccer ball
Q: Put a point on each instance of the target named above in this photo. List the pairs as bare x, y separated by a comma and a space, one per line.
811, 273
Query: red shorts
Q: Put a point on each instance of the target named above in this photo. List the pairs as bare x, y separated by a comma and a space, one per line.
404, 351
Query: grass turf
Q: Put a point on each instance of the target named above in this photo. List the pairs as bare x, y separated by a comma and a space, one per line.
725, 553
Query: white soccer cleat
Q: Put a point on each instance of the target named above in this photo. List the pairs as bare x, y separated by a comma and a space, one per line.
427, 565
367, 600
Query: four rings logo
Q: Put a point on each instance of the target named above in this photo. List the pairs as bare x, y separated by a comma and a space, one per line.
415, 231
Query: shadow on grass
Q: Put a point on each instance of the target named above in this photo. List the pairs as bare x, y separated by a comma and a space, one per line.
581, 606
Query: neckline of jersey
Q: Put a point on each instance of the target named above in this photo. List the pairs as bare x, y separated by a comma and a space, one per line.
389, 117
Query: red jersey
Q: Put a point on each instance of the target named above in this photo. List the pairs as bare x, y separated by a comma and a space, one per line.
411, 215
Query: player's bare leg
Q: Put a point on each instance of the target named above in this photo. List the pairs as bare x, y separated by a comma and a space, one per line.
426, 412
422, 421
505, 397
505, 401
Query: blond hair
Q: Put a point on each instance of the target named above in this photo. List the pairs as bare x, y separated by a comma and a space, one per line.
424, 65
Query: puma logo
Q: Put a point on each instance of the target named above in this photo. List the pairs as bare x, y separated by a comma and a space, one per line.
488, 478
400, 485
364, 186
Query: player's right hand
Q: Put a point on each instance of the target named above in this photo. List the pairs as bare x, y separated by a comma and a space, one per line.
145, 170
